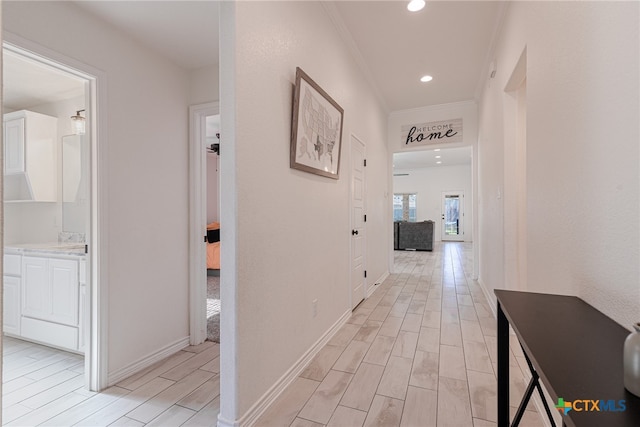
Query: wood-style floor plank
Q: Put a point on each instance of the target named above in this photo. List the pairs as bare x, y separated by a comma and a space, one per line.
420, 351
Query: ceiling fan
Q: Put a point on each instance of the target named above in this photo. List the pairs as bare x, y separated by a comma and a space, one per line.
215, 147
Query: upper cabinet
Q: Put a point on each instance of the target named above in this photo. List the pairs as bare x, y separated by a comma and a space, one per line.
30, 156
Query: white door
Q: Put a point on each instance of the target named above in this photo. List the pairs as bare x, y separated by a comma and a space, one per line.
358, 229
452, 216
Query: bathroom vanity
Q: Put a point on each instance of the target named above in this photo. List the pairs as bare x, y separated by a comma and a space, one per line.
45, 294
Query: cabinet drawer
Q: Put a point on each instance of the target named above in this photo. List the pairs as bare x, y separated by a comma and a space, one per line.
12, 264
50, 333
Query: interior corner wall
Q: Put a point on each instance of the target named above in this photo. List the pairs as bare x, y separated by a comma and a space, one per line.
429, 184
583, 235
292, 229
204, 85
145, 131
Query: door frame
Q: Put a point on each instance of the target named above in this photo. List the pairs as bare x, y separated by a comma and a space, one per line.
460, 195
96, 334
352, 220
198, 220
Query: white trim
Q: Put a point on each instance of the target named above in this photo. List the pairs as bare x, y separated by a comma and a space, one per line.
267, 399
380, 280
491, 300
96, 351
198, 221
148, 360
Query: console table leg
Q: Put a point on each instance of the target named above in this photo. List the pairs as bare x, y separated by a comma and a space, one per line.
503, 369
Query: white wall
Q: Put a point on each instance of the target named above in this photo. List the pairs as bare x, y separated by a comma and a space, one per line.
468, 112
582, 180
40, 222
286, 232
203, 85
146, 129
429, 184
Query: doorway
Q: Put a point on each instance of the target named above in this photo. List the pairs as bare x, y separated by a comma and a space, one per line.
204, 125
50, 208
358, 222
453, 216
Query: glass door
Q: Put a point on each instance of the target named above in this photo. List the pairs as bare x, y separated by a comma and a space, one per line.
452, 216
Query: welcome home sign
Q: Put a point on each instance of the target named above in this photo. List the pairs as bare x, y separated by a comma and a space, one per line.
444, 131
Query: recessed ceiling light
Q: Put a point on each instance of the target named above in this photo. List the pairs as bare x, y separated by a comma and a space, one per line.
439, 163
416, 5
425, 79
437, 149
437, 157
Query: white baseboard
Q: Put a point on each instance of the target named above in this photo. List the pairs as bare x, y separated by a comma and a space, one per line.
380, 280
490, 299
267, 399
146, 361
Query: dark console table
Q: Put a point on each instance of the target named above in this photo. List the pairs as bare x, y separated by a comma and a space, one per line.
574, 349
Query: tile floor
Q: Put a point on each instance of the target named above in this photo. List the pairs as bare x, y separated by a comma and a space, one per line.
419, 352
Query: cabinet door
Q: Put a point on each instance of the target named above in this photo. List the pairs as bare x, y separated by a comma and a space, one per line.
14, 161
36, 293
63, 274
11, 305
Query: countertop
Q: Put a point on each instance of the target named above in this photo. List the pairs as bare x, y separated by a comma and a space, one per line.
53, 248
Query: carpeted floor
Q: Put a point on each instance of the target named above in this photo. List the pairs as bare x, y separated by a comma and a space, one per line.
213, 308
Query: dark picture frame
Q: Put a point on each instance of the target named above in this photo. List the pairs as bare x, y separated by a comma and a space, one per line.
316, 129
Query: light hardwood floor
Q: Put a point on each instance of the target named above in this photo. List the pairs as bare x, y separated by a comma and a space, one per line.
419, 352
44, 386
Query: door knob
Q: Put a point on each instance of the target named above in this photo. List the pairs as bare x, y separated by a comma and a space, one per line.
354, 232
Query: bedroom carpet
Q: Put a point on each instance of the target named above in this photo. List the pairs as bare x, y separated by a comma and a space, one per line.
213, 308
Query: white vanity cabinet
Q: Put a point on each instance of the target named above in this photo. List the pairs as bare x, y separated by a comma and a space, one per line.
14, 145
11, 282
30, 156
50, 297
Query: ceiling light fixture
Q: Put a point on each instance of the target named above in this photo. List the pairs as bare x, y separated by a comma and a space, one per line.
437, 149
439, 163
437, 157
425, 79
416, 5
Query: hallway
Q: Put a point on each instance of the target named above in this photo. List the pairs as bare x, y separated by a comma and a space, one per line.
419, 352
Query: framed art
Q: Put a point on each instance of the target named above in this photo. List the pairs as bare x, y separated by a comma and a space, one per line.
316, 129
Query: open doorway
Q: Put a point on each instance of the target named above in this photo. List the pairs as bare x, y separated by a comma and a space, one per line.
50, 239
205, 225
422, 185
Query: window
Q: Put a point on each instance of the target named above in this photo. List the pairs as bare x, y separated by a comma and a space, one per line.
404, 207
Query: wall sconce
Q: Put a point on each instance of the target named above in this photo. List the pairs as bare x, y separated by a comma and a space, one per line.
78, 123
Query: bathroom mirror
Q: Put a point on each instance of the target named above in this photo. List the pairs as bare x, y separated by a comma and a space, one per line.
75, 201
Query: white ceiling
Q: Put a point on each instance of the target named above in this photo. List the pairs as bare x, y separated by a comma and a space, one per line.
29, 83
427, 159
449, 40
186, 32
